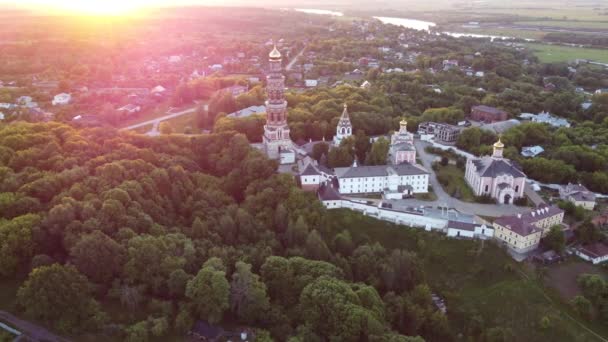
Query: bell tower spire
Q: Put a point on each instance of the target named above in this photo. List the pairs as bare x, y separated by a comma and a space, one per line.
276, 131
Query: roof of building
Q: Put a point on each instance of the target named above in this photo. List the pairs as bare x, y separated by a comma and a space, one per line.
488, 109
245, 112
492, 167
344, 118
462, 225
595, 250
403, 146
310, 170
275, 53
523, 224
328, 193
532, 151
519, 226
501, 126
404, 169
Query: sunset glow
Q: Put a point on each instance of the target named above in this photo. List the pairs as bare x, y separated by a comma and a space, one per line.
90, 7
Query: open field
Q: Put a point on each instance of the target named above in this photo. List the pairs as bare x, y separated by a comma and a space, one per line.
474, 278
574, 13
182, 123
557, 53
569, 24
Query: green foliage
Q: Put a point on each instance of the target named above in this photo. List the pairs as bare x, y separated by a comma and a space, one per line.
379, 152
555, 239
248, 297
61, 295
209, 291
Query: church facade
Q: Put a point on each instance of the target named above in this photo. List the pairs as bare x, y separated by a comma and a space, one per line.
276, 140
495, 176
402, 148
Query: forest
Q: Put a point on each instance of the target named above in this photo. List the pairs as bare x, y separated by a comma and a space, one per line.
135, 238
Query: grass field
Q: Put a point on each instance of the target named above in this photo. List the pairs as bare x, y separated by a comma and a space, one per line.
181, 123
479, 281
557, 53
569, 24
452, 180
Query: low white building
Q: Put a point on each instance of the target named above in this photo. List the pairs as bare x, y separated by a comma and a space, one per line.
547, 118
382, 178
532, 151
62, 99
595, 253
469, 230
311, 83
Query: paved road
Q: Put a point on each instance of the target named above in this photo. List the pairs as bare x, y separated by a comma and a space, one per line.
293, 61
30, 330
156, 122
443, 199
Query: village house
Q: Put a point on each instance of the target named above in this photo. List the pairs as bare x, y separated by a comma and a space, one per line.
234, 90
488, 114
522, 232
61, 99
578, 194
532, 151
129, 109
547, 118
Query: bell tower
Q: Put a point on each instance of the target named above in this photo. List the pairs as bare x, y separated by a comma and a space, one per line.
276, 130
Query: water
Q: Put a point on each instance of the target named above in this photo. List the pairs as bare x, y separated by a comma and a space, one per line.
415, 24
422, 25
319, 11
419, 25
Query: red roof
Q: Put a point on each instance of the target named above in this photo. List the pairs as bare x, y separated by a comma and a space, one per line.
596, 250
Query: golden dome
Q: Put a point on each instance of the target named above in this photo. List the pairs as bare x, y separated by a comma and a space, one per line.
499, 144
275, 53
403, 122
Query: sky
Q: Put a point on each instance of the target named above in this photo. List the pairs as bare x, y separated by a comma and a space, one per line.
102, 6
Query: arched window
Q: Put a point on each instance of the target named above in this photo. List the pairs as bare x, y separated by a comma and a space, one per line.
517, 188
486, 190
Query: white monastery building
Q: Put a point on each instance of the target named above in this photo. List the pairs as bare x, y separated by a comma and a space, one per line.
406, 179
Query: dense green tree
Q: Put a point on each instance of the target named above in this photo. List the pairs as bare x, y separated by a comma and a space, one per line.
248, 297
209, 291
98, 257
556, 239
61, 295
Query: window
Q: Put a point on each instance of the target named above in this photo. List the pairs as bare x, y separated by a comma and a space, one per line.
486, 190
517, 188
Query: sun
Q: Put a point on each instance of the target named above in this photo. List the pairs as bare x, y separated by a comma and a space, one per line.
99, 7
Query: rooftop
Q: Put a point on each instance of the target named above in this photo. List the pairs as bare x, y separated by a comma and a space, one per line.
595, 250
405, 169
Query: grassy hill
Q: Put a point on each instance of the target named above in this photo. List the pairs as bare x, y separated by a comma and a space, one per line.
483, 286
